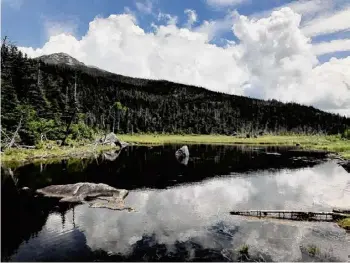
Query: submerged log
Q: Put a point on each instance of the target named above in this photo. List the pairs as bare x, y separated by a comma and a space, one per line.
292, 215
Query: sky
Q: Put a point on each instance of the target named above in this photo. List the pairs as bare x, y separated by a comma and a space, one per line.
292, 51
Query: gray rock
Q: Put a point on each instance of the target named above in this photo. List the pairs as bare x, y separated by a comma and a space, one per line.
182, 155
88, 193
111, 156
111, 138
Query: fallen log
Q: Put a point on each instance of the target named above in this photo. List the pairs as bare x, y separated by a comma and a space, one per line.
292, 215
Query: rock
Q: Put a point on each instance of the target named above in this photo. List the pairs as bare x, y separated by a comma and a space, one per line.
87, 193
124, 144
111, 156
26, 190
183, 155
273, 153
113, 140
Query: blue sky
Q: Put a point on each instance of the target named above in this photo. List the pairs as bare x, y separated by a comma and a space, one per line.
320, 42
23, 21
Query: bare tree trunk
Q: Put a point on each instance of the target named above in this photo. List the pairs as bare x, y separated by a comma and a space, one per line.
75, 89
118, 123
67, 130
113, 121
15, 134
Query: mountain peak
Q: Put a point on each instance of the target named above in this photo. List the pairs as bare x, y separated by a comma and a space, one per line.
60, 58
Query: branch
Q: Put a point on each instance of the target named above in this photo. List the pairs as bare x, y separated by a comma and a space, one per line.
15, 134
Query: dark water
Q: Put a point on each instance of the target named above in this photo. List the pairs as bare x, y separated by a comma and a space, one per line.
182, 212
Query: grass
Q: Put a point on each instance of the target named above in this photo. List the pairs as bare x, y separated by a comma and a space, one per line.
21, 155
311, 142
345, 223
313, 250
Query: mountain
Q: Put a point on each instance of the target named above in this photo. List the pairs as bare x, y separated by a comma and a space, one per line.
56, 86
60, 59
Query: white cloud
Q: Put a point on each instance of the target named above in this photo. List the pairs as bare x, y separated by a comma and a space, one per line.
54, 28
332, 46
223, 3
215, 28
276, 54
273, 59
144, 7
171, 20
306, 8
192, 17
198, 208
329, 23
328, 86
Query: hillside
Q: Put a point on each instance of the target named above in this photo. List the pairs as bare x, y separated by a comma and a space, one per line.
51, 91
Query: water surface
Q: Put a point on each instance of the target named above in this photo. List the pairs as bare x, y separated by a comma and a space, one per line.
182, 212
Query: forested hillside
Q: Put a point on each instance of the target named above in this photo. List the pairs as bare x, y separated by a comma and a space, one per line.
46, 97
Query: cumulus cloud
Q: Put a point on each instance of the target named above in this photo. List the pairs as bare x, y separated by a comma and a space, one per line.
273, 59
192, 17
170, 20
54, 28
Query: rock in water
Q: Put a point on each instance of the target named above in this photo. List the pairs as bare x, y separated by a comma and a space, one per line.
87, 193
113, 140
182, 155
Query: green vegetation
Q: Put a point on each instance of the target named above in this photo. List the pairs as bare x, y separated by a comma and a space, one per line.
20, 155
345, 223
46, 105
56, 100
332, 143
313, 250
243, 252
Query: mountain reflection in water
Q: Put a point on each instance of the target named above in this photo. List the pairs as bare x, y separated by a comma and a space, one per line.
182, 212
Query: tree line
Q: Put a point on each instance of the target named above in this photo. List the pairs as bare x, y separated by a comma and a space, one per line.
47, 98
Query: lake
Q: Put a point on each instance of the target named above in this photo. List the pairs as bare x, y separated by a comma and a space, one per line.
182, 211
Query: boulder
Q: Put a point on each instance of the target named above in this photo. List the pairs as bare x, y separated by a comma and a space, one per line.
113, 140
182, 155
87, 193
111, 156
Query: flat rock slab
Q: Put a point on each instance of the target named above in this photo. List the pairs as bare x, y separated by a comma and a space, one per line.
97, 195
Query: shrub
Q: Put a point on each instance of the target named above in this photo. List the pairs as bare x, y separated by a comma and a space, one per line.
346, 134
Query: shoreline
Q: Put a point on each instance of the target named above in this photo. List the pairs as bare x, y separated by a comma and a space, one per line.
332, 144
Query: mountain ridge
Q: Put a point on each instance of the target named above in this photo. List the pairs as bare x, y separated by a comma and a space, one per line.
112, 102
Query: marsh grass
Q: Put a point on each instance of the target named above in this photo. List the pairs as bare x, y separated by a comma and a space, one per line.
20, 155
345, 223
332, 143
